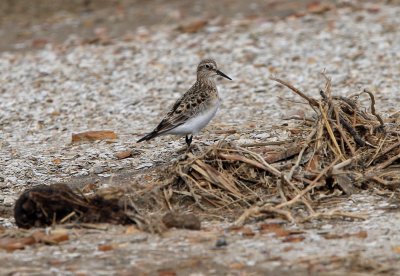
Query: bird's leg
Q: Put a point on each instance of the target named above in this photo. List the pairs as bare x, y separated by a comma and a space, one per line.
189, 140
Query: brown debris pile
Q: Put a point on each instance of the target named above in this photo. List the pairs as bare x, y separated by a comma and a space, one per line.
14, 240
47, 205
344, 148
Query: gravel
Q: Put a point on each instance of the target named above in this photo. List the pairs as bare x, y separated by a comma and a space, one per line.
127, 85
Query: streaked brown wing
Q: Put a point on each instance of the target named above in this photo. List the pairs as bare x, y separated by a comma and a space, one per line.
177, 116
169, 123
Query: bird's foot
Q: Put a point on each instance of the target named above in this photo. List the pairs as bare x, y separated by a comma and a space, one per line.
188, 140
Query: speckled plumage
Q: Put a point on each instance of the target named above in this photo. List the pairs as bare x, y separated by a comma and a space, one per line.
195, 108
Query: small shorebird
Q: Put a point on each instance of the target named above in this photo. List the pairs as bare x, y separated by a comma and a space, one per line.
195, 109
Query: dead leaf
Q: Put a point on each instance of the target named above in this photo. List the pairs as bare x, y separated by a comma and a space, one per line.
278, 154
287, 248
318, 8
396, 249
273, 69
296, 15
201, 236
132, 230
11, 244
55, 239
55, 262
293, 239
295, 130
88, 188
360, 235
101, 36
123, 154
166, 273
333, 236
39, 236
259, 65
39, 42
274, 228
236, 266
246, 231
311, 60
94, 135
373, 9
313, 163
56, 161
193, 27
56, 236
105, 247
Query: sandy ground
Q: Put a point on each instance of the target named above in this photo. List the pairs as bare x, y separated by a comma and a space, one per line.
124, 83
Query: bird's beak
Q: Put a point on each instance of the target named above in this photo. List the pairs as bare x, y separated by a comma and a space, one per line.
222, 74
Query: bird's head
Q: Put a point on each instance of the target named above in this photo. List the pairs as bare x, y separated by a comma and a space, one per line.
208, 68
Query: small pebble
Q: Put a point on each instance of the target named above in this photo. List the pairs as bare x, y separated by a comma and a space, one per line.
221, 242
144, 165
98, 169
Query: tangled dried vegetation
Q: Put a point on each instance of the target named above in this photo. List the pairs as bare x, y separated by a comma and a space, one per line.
342, 149
46, 205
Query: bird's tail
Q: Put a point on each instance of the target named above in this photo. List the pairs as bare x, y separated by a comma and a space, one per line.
149, 136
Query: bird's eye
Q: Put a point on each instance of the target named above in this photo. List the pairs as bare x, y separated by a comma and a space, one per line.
208, 66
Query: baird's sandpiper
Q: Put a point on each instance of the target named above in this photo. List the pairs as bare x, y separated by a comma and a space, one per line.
195, 109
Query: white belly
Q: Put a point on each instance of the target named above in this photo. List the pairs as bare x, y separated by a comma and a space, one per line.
195, 124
